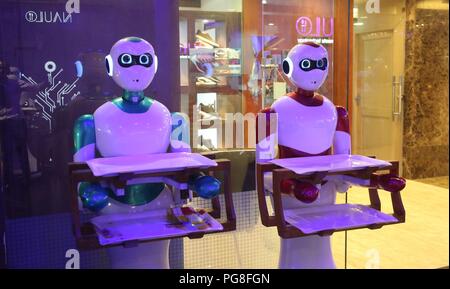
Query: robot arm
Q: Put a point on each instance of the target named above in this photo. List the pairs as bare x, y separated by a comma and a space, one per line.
207, 187
342, 140
84, 138
342, 145
179, 138
266, 141
93, 196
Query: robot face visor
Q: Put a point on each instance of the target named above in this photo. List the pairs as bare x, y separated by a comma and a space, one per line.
128, 60
309, 64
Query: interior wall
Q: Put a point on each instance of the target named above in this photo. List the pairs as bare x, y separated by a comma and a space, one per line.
426, 128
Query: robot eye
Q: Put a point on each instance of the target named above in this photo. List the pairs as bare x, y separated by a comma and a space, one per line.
322, 64
125, 60
146, 59
305, 64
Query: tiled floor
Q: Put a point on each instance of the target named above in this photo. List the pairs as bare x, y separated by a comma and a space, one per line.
421, 242
437, 181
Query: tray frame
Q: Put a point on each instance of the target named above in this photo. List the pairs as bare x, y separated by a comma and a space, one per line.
85, 235
286, 230
160, 155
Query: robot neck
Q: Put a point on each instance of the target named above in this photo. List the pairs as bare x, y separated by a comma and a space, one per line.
304, 93
307, 98
133, 96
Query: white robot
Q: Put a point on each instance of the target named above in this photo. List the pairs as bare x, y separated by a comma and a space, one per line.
308, 124
133, 125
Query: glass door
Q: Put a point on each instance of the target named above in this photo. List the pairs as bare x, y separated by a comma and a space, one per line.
400, 113
378, 78
377, 117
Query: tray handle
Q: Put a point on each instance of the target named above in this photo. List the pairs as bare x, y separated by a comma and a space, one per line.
396, 198
261, 168
224, 165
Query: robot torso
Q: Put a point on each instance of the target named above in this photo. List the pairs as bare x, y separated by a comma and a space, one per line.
305, 130
120, 133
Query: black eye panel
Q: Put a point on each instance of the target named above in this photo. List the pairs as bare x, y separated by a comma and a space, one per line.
128, 60
309, 64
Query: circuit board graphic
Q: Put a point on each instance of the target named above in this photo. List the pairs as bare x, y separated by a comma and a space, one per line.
56, 92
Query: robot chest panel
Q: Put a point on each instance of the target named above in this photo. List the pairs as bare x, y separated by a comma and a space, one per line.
119, 133
305, 128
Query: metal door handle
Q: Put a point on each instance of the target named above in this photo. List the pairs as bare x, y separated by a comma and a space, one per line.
394, 91
397, 99
358, 99
400, 95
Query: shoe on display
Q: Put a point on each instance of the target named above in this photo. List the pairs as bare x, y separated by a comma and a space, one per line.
204, 37
208, 143
201, 44
220, 53
208, 116
204, 63
205, 81
215, 79
210, 108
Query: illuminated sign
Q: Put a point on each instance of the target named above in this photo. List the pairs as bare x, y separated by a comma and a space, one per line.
318, 27
71, 7
48, 17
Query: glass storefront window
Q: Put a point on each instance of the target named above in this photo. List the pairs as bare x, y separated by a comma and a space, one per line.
220, 63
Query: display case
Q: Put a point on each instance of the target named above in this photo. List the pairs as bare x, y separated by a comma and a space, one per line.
210, 71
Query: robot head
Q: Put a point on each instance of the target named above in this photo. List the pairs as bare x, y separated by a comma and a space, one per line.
307, 66
132, 63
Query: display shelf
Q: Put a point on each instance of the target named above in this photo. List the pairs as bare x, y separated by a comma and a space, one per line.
288, 227
228, 67
86, 234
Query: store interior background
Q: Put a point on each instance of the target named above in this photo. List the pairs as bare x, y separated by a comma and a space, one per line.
412, 39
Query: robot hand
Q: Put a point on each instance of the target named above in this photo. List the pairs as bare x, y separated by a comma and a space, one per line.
206, 187
302, 191
339, 183
388, 182
93, 196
